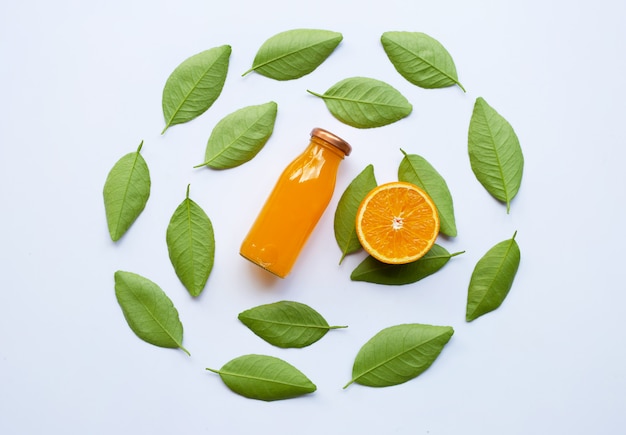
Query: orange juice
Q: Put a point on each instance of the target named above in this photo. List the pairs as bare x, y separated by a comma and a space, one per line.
296, 204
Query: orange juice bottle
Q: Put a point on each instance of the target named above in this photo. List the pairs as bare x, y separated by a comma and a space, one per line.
296, 204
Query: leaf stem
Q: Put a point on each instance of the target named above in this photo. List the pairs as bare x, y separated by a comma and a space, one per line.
457, 253
201, 165
337, 327
140, 146
349, 383
213, 370
315, 93
184, 350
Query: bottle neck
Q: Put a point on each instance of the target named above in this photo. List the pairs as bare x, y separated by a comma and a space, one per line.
316, 141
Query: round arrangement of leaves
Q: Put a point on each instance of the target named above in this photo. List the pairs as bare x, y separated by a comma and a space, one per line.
396, 354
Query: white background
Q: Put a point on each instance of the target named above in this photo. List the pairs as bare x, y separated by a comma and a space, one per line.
81, 86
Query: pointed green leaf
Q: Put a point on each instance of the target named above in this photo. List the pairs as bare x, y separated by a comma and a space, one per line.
420, 59
415, 169
495, 153
286, 324
345, 214
363, 102
374, 271
149, 312
492, 278
191, 245
294, 53
398, 354
126, 192
264, 377
194, 85
238, 137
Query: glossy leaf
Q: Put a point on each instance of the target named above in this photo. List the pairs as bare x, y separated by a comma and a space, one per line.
495, 153
149, 312
415, 169
194, 85
191, 245
374, 271
420, 59
363, 102
294, 53
286, 324
345, 214
264, 377
238, 137
398, 354
492, 278
126, 192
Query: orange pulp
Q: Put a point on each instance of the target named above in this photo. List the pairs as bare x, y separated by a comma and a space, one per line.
397, 223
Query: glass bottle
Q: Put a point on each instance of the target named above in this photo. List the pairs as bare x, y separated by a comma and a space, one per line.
295, 205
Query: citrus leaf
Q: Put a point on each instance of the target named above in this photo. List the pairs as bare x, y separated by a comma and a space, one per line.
126, 192
286, 324
377, 272
495, 153
415, 169
492, 278
363, 102
149, 312
191, 245
420, 59
194, 85
239, 136
264, 377
294, 53
398, 354
345, 214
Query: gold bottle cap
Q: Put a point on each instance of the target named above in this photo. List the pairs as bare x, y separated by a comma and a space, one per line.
332, 139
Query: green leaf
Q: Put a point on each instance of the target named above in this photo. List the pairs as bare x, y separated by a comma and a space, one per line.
194, 85
294, 53
345, 214
492, 278
149, 312
398, 354
238, 137
374, 271
191, 245
264, 377
420, 59
286, 324
495, 153
415, 169
363, 102
126, 192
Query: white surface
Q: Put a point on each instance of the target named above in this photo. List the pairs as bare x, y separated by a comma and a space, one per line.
82, 86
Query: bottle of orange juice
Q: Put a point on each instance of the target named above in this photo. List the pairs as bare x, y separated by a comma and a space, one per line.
296, 204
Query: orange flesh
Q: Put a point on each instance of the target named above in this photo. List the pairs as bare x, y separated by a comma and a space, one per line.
397, 224
293, 209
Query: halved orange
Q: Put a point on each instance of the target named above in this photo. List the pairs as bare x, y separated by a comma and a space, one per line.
397, 223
